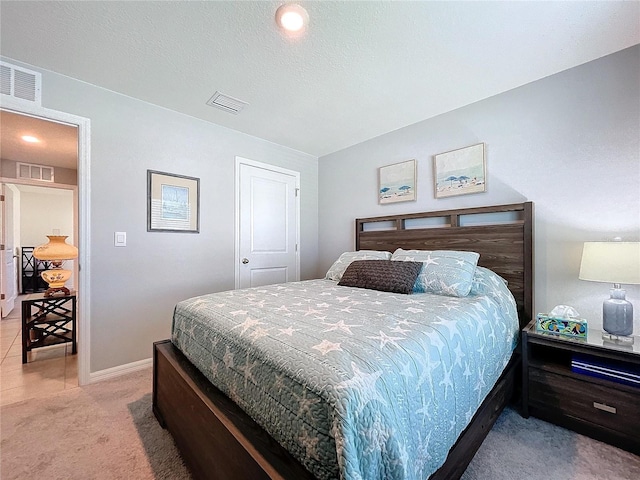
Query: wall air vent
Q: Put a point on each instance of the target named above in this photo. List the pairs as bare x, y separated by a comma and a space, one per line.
20, 83
30, 171
227, 103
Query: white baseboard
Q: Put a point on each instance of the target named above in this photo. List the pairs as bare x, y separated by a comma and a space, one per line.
119, 370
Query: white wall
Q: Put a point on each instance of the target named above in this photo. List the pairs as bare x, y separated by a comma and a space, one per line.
45, 211
134, 289
570, 143
42, 212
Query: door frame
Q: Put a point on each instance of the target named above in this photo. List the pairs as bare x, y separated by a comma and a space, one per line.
272, 168
84, 219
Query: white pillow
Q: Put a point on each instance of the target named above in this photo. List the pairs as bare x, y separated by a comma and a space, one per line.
445, 272
339, 266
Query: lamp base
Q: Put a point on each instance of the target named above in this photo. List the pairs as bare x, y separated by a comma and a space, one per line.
51, 291
56, 278
617, 339
617, 313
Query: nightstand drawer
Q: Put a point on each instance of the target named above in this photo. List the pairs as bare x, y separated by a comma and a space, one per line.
610, 408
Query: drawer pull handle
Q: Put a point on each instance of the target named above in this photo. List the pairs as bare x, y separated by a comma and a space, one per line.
605, 408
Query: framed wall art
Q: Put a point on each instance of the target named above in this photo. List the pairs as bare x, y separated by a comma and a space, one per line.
397, 182
173, 203
460, 171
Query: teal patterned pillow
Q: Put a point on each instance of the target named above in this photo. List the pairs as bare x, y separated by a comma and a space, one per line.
486, 282
339, 266
444, 272
489, 283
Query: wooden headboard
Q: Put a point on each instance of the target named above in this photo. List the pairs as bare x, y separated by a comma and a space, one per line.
502, 235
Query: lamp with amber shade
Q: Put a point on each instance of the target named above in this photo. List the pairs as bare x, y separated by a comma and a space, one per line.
56, 251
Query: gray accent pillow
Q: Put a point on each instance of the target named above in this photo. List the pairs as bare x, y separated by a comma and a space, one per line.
383, 275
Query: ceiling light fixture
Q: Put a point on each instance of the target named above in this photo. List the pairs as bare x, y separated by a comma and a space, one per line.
30, 139
292, 18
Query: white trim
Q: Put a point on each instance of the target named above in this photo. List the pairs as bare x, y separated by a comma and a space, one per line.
35, 183
272, 168
120, 370
84, 221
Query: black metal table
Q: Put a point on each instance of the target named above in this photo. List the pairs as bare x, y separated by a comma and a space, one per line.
48, 321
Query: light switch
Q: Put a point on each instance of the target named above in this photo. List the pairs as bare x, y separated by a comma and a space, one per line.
120, 239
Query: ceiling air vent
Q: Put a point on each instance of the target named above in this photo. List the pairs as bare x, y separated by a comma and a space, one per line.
20, 83
227, 103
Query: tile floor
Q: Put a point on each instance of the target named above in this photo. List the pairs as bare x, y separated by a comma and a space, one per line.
48, 370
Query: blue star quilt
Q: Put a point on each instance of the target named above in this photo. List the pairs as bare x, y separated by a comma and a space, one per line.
356, 384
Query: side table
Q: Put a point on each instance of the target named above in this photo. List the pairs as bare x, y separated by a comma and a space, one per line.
606, 410
48, 321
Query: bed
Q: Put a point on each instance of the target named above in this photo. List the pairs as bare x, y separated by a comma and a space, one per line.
218, 439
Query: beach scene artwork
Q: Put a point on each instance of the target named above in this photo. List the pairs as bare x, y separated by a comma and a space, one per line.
397, 182
460, 172
173, 202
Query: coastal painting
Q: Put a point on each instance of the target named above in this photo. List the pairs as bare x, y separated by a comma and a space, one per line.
173, 202
397, 182
460, 171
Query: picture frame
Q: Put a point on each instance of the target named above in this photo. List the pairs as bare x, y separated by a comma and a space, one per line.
173, 202
397, 182
460, 172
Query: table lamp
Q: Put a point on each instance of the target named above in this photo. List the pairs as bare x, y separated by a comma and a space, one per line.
56, 251
617, 263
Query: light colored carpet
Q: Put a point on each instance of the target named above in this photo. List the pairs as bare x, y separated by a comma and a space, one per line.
107, 431
518, 448
102, 431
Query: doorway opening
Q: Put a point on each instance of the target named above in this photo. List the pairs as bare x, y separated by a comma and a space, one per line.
40, 178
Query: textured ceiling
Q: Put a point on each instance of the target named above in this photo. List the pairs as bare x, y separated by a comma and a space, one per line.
362, 69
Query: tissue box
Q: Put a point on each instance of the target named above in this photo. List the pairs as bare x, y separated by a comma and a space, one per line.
569, 327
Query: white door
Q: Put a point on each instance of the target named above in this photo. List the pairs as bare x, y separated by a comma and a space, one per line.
267, 211
8, 279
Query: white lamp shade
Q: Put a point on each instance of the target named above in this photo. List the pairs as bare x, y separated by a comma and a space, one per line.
611, 262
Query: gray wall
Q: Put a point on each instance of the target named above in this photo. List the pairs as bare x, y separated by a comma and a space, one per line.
134, 289
570, 143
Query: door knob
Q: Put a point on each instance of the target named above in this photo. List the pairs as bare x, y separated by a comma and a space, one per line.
245, 260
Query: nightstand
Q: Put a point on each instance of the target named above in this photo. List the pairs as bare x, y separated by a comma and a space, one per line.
599, 408
48, 321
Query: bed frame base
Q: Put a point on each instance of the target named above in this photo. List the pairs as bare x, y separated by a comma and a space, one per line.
218, 440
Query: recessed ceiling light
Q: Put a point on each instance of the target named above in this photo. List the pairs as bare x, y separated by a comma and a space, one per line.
30, 139
292, 18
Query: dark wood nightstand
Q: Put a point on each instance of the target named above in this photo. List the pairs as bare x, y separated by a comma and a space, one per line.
48, 321
602, 409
